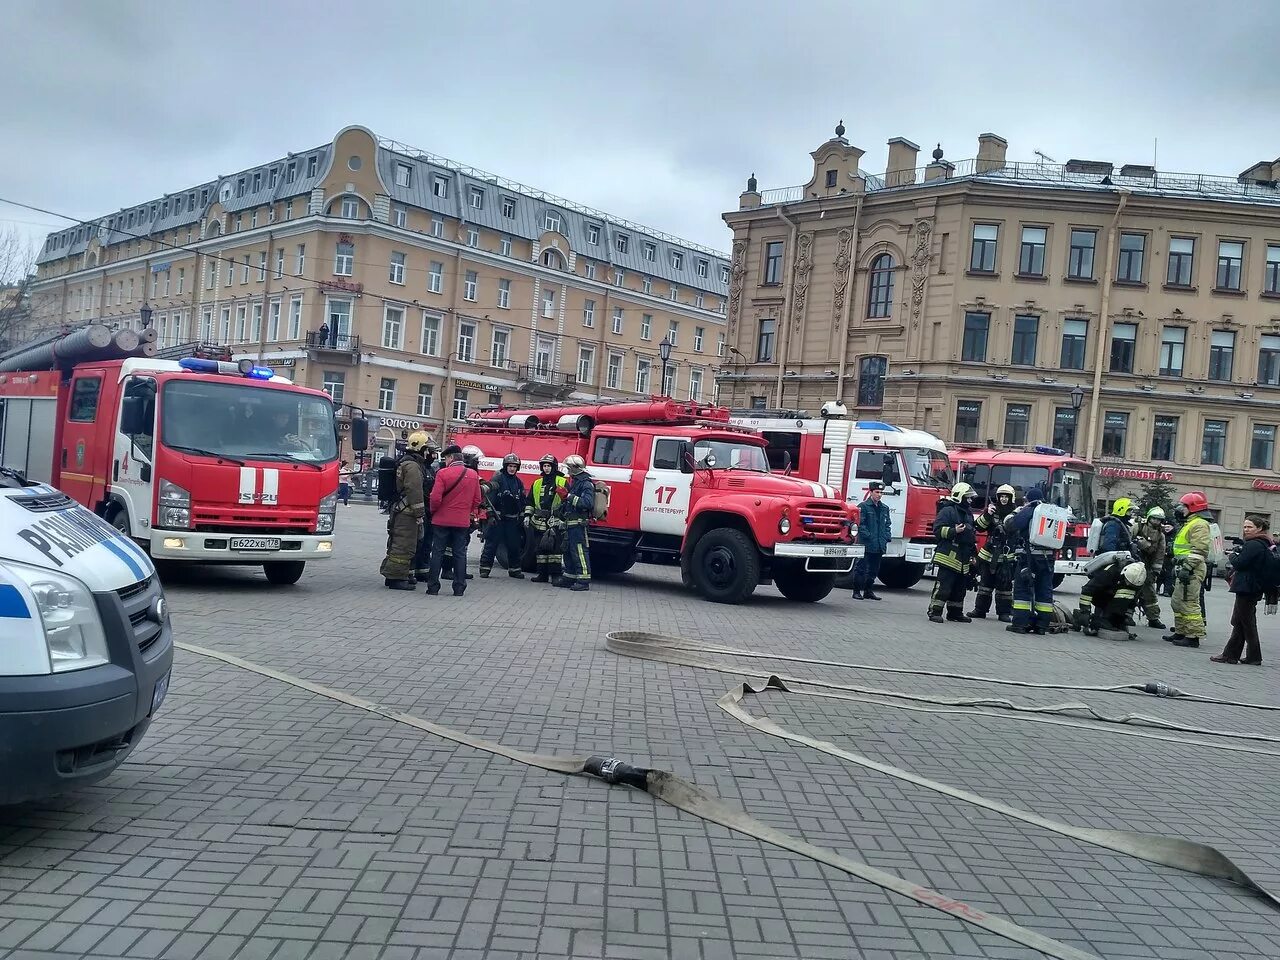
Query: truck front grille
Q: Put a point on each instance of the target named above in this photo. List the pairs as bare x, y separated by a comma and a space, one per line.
822, 521
138, 600
251, 520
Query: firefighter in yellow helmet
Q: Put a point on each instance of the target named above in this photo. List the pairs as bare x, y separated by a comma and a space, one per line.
954, 556
407, 515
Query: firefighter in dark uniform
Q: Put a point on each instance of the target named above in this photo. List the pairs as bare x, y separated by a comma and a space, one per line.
507, 500
1033, 581
578, 504
430, 464
407, 516
954, 555
542, 515
995, 560
1108, 596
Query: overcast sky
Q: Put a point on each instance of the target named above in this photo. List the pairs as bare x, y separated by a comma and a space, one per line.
653, 111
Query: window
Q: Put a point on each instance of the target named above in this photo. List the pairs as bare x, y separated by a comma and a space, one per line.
880, 299
617, 321
166, 284
724, 274
224, 325
982, 255
646, 326
473, 237
295, 318
344, 259
273, 321
435, 277
670, 372
613, 451
643, 366
1269, 360
650, 251
242, 323
500, 348
871, 376
1182, 254
773, 263
968, 420
1080, 261
288, 210
431, 334
437, 227
475, 196
673, 332
504, 246
1133, 248
1213, 446
1075, 335
765, 341
469, 286
1124, 338
244, 273
618, 277
426, 393
255, 332
589, 313
210, 275
647, 285
677, 260
593, 234
350, 208
590, 271
400, 216
1262, 449
1164, 438
386, 394
279, 263
1065, 420
440, 186
1026, 338
548, 303
460, 402
1031, 253
84, 400
614, 376
239, 187
973, 347
1271, 276
1017, 420
495, 398
586, 364
702, 268
1230, 259
1173, 343
393, 328
509, 207
312, 162
1222, 351
720, 345
182, 278
698, 301
621, 242
551, 221
1115, 433
335, 384
758, 402
504, 294
699, 334
300, 260
675, 293
695, 384
404, 175
466, 342
206, 325
339, 318
231, 272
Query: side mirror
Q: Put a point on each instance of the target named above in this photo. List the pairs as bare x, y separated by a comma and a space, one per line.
133, 419
888, 470
710, 461
786, 462
359, 434
686, 458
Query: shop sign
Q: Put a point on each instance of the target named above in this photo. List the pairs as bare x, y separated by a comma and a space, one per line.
1128, 473
477, 385
344, 286
160, 267
400, 423
278, 361
1270, 486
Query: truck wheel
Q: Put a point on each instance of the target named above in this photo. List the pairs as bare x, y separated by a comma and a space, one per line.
900, 575
726, 565
611, 563
794, 583
284, 572
118, 517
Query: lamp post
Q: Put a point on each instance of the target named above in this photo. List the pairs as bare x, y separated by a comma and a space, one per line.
144, 314
1077, 399
664, 353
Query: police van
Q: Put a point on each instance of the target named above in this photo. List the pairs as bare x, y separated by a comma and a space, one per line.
85, 643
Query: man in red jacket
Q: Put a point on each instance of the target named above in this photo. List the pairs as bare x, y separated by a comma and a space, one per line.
454, 499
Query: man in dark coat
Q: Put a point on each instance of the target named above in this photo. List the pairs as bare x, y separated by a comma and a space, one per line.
507, 500
1033, 582
954, 555
875, 531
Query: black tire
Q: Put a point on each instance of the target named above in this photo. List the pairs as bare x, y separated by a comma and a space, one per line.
794, 583
899, 575
1058, 578
726, 565
611, 562
282, 573
118, 517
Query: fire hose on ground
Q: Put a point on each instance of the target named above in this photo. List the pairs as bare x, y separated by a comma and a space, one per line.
1167, 851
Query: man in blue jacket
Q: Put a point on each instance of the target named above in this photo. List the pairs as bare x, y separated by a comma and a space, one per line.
1033, 584
875, 530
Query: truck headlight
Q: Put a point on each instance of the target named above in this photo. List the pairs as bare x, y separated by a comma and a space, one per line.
328, 509
175, 506
784, 525
73, 630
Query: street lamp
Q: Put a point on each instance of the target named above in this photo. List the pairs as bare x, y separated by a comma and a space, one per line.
664, 353
1077, 399
144, 314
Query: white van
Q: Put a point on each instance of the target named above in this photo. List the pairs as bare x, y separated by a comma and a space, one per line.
85, 643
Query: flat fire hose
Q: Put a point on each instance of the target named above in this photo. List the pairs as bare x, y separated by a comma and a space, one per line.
1166, 851
684, 796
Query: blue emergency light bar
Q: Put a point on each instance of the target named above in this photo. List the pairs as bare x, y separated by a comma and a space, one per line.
241, 368
1050, 451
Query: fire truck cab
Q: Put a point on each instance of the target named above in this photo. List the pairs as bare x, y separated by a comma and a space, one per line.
848, 455
683, 482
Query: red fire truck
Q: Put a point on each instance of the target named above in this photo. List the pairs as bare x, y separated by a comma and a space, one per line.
683, 482
849, 454
199, 459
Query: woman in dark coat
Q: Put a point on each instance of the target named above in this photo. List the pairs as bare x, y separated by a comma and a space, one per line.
1248, 565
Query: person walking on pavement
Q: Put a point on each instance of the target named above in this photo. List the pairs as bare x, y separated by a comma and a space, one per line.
995, 562
954, 556
407, 513
1148, 545
1191, 558
578, 504
1252, 566
1033, 582
431, 465
455, 495
875, 531
345, 472
542, 518
508, 499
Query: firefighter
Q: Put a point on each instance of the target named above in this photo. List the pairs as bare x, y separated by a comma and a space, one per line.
542, 515
995, 561
954, 556
407, 516
1109, 595
507, 501
1033, 581
431, 464
578, 504
1190, 558
1149, 544
1115, 528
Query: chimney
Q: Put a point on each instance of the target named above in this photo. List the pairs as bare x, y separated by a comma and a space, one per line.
940, 169
991, 152
901, 170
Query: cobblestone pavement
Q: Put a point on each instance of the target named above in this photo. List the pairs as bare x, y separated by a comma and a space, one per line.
258, 820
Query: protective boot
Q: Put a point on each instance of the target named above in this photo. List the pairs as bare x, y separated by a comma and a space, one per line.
401, 585
515, 573
484, 573
1154, 622
956, 614
981, 606
422, 576
542, 576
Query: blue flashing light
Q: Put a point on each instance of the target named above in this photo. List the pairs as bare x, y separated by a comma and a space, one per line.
198, 365
1050, 451
260, 373
876, 425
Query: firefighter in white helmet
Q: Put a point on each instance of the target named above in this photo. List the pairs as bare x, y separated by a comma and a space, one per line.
1109, 595
995, 559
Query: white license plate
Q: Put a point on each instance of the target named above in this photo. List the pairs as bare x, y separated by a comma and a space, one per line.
255, 543
835, 551
157, 695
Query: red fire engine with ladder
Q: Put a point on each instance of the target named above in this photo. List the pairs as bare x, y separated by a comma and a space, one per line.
684, 482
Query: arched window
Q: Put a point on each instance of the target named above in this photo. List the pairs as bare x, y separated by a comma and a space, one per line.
871, 373
553, 258
880, 300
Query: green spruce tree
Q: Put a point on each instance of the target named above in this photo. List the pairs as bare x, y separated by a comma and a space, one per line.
1157, 493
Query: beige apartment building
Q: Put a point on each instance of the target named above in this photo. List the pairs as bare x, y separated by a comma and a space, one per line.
972, 299
401, 283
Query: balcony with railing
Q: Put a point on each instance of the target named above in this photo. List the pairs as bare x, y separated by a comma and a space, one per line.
540, 379
333, 345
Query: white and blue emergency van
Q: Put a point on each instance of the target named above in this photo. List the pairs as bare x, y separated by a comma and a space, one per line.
85, 643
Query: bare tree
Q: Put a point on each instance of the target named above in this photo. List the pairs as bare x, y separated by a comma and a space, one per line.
17, 272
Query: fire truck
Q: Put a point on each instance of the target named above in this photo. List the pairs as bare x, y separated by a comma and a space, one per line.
1065, 479
684, 482
848, 455
197, 459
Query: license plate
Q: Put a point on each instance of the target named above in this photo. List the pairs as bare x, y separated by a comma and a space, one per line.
157, 695
835, 551
255, 543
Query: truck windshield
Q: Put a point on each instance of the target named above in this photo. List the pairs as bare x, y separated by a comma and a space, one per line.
1073, 489
929, 468
730, 455
231, 420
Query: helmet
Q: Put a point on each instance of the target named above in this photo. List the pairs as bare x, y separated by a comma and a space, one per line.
1004, 490
1121, 507
1155, 513
548, 460
1135, 574
1195, 501
961, 491
510, 460
471, 455
574, 464
417, 442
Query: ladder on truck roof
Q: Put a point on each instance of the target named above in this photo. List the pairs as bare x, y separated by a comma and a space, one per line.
582, 417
